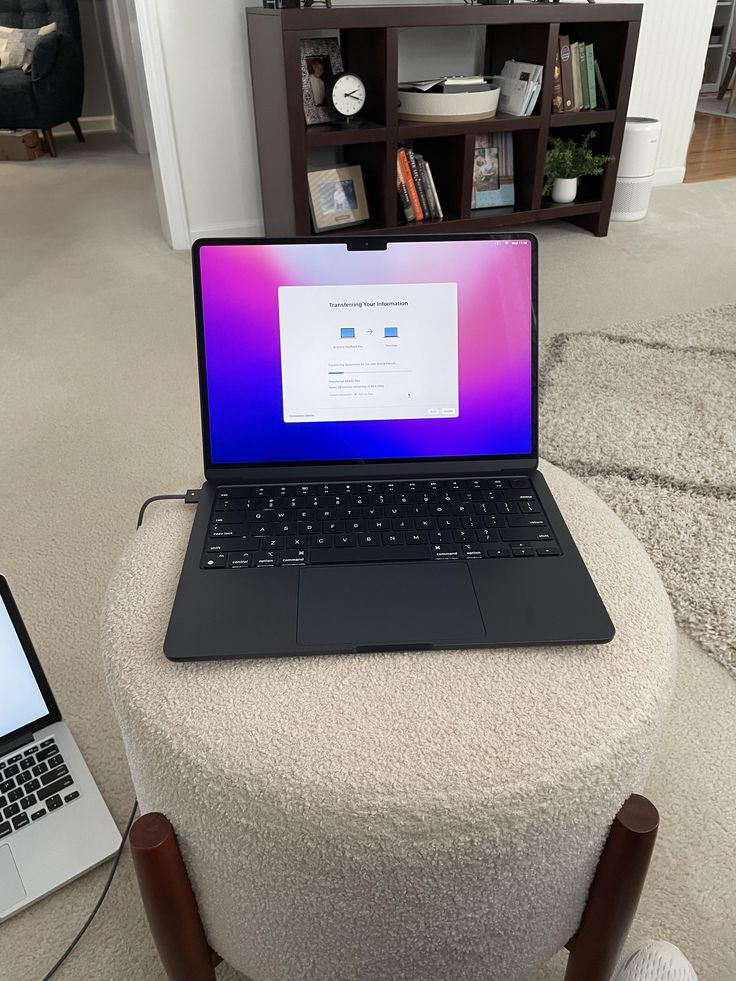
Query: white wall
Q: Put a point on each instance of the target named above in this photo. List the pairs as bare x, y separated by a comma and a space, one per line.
96, 91
201, 97
669, 70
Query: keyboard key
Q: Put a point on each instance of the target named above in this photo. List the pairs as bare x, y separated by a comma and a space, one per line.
498, 552
11, 810
218, 561
39, 768
48, 748
293, 556
406, 553
549, 550
27, 763
529, 507
32, 786
52, 775
54, 788
235, 545
518, 482
372, 540
444, 553
320, 541
241, 560
471, 552
15, 794
38, 814
5, 828
345, 541
56, 760
265, 560
525, 521
30, 751
393, 538
70, 797
27, 802
54, 802
14, 759
48, 742
6, 785
523, 553
526, 535
21, 821
485, 535
3, 802
11, 771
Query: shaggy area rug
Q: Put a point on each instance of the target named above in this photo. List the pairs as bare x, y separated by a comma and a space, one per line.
646, 414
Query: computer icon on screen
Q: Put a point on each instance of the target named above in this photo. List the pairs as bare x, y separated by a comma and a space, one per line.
347, 332
390, 331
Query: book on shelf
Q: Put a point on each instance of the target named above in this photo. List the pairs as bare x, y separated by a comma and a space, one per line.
408, 180
448, 83
414, 166
590, 69
493, 171
403, 190
557, 103
433, 190
520, 83
568, 94
601, 87
583, 75
576, 81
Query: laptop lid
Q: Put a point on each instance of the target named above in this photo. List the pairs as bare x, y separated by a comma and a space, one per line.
26, 701
362, 357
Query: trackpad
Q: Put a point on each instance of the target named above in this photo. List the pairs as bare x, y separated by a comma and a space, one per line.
11, 886
388, 605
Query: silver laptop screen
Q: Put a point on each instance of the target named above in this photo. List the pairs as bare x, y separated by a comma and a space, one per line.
21, 701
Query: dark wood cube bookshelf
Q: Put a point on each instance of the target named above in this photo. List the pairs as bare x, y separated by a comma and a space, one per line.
369, 40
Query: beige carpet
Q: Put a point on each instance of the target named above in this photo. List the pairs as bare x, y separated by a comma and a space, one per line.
99, 410
646, 414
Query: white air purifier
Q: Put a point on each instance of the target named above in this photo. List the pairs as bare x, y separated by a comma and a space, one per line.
636, 169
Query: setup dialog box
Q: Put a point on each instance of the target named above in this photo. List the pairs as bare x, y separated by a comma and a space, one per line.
361, 353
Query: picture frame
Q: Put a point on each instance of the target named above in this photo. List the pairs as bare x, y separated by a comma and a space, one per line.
321, 62
337, 197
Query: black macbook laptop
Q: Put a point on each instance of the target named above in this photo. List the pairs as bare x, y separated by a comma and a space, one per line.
369, 415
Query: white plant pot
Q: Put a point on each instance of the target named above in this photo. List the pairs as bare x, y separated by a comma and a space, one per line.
564, 189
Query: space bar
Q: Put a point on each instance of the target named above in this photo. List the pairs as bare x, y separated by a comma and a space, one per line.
370, 553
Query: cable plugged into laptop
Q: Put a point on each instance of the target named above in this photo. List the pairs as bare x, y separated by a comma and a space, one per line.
191, 497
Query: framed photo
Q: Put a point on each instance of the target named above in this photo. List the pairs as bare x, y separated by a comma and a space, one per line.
321, 61
337, 197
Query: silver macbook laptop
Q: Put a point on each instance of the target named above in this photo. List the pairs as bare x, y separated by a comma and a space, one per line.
54, 824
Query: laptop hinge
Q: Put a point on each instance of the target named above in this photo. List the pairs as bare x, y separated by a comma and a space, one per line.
6, 748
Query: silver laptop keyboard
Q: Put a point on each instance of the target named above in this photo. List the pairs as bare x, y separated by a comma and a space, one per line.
34, 782
254, 527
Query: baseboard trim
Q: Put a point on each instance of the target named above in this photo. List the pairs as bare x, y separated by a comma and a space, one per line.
89, 124
228, 229
669, 175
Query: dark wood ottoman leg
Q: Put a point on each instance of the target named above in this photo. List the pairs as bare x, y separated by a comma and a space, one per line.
74, 123
169, 901
614, 893
50, 142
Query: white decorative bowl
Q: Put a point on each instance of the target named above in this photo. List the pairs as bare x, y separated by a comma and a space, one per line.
447, 107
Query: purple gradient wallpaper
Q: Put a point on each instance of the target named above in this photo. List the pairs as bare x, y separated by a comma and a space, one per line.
242, 341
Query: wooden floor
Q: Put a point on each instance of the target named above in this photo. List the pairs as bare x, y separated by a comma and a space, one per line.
712, 153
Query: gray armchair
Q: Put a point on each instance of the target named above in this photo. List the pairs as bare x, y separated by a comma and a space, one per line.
52, 93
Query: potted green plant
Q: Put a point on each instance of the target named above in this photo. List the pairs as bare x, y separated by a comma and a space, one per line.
566, 162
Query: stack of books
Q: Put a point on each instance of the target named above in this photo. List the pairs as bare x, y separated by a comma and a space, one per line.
520, 83
578, 83
417, 191
493, 171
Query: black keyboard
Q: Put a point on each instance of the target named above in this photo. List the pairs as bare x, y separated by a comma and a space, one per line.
33, 782
255, 527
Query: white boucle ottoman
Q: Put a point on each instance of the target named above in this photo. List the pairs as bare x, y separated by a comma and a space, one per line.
432, 816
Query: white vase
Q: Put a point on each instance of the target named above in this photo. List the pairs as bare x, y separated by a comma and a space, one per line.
564, 189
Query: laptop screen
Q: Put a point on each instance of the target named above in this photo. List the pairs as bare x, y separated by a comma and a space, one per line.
21, 700
317, 352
